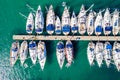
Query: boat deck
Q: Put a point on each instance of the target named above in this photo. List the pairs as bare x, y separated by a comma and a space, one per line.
57, 37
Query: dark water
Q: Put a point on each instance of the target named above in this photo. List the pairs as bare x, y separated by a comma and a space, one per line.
12, 23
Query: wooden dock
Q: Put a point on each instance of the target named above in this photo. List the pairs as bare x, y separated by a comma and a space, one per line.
57, 37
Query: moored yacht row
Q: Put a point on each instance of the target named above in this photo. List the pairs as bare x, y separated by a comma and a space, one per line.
38, 51
106, 52
83, 23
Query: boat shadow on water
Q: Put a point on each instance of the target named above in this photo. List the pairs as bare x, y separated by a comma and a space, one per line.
49, 47
75, 48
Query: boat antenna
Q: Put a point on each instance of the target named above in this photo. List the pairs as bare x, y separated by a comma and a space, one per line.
30, 7
89, 7
23, 15
46, 8
63, 4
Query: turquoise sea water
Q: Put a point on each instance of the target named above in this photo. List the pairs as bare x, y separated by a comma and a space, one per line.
12, 23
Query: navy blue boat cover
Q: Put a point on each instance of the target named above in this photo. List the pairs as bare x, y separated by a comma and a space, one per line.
32, 45
108, 46
66, 28
74, 28
108, 28
69, 45
99, 29
60, 46
50, 27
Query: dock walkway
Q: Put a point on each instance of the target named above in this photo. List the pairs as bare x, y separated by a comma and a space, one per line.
57, 37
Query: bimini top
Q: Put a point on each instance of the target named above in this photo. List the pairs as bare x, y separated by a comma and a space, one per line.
50, 27
39, 30
91, 49
108, 28
32, 45
14, 49
60, 46
57, 31
117, 50
99, 29
29, 28
66, 28
74, 28
108, 46
69, 45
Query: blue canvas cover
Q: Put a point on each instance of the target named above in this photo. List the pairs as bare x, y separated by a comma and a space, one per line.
32, 45
109, 46
50, 27
74, 28
108, 28
66, 28
60, 46
99, 29
69, 45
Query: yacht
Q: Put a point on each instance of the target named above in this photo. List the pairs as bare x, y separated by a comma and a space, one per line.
91, 53
50, 21
107, 22
98, 24
66, 21
23, 52
99, 53
41, 52
14, 51
73, 23
39, 21
33, 51
30, 24
57, 25
60, 53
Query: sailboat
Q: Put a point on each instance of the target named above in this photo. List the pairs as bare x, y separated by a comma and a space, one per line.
69, 53
39, 21
41, 51
98, 24
107, 53
107, 26
116, 55
33, 51
23, 52
66, 21
60, 53
91, 53
73, 23
90, 23
14, 51
57, 26
99, 53
115, 22
50, 21
30, 24
82, 20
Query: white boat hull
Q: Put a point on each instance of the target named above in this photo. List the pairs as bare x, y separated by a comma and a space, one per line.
14, 53
23, 52
41, 50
